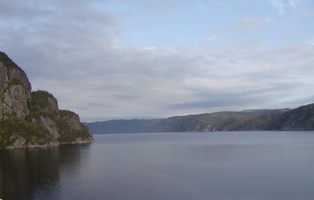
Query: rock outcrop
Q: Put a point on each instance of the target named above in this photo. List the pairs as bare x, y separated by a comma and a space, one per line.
33, 119
15, 89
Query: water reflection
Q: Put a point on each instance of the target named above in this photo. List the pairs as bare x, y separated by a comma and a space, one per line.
34, 173
165, 166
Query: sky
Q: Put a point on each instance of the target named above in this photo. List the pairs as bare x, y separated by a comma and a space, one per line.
126, 59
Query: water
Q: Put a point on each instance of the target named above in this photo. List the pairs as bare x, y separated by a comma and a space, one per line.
217, 166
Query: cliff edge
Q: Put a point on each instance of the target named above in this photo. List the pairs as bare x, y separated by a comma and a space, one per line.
33, 119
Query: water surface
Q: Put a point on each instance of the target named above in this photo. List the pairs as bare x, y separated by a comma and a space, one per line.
218, 166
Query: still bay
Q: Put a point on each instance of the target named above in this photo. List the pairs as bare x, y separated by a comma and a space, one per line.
154, 166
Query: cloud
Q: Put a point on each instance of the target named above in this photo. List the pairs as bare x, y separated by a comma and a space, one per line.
283, 5
251, 24
76, 53
154, 85
311, 41
294, 3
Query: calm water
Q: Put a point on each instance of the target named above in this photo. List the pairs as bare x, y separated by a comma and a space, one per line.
215, 166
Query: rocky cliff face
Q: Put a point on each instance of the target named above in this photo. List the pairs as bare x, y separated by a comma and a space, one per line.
33, 119
15, 89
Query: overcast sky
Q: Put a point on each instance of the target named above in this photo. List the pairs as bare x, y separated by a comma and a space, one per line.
114, 59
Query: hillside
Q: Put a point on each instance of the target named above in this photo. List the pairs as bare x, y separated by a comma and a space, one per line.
33, 119
301, 118
298, 119
220, 121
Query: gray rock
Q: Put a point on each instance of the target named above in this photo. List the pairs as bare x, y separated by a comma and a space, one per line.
34, 117
15, 90
51, 126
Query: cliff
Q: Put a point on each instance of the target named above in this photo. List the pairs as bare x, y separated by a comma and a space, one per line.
33, 119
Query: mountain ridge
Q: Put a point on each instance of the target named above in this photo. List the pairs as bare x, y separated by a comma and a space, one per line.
301, 118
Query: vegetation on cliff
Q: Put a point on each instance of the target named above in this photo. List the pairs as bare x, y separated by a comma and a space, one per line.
15, 132
33, 119
7, 61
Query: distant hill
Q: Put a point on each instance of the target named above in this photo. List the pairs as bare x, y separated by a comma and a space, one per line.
220, 121
298, 119
301, 118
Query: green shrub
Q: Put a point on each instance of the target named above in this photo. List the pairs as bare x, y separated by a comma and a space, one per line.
12, 128
7, 61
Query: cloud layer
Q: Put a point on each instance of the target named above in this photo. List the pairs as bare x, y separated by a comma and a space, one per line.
83, 52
